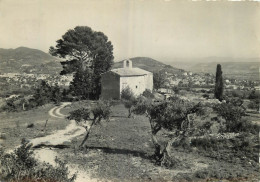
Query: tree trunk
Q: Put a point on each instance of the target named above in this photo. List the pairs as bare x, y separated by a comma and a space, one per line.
44, 129
155, 129
156, 146
129, 113
87, 135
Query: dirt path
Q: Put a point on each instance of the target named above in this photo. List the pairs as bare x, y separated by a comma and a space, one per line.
55, 112
60, 137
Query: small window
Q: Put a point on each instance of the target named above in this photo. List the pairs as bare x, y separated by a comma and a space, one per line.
127, 63
136, 86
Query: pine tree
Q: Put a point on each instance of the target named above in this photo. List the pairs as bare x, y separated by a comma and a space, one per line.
82, 84
219, 87
84, 49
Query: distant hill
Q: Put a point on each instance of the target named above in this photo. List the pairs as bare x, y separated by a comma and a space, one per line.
232, 68
27, 60
149, 64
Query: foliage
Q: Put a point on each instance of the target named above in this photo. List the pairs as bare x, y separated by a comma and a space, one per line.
79, 115
159, 80
102, 110
254, 104
254, 95
20, 165
176, 89
206, 96
10, 105
170, 115
56, 94
45, 93
127, 94
232, 114
129, 100
42, 94
238, 93
148, 94
81, 84
85, 49
219, 87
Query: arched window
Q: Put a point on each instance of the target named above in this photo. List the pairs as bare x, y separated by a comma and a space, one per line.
127, 63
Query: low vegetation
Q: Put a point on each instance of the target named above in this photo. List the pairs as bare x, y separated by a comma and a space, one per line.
21, 166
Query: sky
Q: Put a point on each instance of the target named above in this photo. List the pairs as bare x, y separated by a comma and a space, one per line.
160, 29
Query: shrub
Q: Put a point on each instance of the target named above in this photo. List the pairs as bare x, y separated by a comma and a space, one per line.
102, 110
79, 114
148, 94
206, 96
20, 165
254, 95
128, 99
232, 114
10, 105
254, 104
127, 94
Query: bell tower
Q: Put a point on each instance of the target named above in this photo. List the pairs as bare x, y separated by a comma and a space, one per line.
128, 63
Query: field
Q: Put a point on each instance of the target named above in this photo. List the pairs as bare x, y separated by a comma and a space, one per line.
122, 149
15, 126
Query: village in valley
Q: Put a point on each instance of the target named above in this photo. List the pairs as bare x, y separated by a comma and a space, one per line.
155, 96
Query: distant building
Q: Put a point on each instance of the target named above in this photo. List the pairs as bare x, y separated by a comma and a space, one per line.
115, 80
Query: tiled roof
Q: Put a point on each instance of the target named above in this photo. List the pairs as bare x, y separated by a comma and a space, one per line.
130, 71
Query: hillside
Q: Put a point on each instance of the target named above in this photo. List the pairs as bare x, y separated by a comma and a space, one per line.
149, 64
27, 60
239, 68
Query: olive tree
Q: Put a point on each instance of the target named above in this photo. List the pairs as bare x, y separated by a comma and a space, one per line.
102, 110
171, 115
129, 100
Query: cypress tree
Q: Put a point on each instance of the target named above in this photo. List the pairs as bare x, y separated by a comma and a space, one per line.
219, 84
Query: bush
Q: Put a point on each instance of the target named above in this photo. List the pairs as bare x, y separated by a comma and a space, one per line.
10, 105
45, 93
127, 94
206, 96
254, 95
232, 114
79, 114
128, 99
102, 110
20, 165
148, 94
254, 104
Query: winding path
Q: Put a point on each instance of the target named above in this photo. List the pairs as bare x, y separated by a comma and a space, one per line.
60, 137
55, 112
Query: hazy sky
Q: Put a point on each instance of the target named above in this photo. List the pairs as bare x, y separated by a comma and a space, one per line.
162, 30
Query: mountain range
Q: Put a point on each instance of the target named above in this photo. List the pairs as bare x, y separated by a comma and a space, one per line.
27, 60
240, 68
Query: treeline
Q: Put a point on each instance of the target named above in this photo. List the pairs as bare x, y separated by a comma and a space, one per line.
41, 95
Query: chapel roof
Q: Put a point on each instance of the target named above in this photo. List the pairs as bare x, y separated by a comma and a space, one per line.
130, 72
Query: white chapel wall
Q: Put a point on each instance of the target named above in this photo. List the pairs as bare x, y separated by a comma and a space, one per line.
136, 83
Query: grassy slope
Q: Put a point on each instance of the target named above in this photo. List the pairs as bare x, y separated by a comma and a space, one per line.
14, 125
121, 151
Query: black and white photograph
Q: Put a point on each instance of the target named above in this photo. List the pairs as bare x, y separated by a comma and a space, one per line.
129, 91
